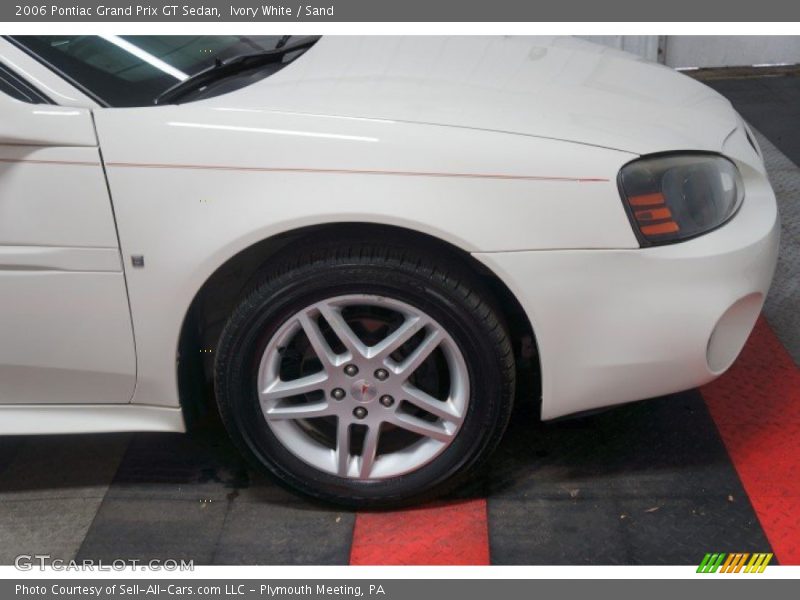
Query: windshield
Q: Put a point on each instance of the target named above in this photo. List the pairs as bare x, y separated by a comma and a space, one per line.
132, 70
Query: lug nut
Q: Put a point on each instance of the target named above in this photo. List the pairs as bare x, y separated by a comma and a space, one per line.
359, 412
337, 393
351, 370
387, 400
381, 374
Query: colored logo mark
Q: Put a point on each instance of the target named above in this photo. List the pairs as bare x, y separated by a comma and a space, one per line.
734, 563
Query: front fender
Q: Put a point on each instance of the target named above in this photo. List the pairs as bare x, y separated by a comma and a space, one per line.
193, 185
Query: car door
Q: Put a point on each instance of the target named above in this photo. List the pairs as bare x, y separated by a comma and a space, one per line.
65, 327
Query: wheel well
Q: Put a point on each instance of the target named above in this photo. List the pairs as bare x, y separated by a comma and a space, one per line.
218, 296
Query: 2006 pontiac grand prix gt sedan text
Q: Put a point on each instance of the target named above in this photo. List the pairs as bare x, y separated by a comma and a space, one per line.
361, 244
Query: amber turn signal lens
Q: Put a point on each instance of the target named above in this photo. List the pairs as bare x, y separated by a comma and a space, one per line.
661, 228
646, 200
645, 216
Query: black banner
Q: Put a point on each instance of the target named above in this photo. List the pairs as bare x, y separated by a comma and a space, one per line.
400, 11
731, 588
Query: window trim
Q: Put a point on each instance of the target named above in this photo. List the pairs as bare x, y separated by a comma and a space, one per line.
25, 88
79, 86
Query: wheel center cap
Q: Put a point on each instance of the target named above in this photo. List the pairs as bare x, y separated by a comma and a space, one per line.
364, 391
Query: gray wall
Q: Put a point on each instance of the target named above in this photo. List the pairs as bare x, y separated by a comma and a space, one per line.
731, 50
643, 45
707, 50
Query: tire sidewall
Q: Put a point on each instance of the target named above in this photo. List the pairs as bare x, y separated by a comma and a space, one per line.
264, 311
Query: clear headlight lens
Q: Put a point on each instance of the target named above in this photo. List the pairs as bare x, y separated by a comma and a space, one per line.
674, 197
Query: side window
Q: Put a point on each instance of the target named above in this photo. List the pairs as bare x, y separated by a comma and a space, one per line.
19, 89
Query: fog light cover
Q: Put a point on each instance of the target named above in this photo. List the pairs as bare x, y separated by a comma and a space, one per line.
674, 197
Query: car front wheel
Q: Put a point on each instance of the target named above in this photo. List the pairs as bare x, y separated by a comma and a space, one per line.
367, 375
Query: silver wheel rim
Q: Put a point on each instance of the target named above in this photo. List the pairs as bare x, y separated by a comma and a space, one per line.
368, 394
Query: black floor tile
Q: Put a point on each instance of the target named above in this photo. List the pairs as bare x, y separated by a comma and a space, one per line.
193, 497
286, 533
201, 466
647, 483
9, 446
618, 531
551, 532
147, 529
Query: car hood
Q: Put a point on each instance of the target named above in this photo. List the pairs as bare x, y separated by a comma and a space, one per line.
554, 87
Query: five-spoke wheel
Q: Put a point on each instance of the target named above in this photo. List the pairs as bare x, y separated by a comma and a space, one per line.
409, 375
370, 375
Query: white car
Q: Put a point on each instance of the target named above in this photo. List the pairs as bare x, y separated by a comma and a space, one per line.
359, 242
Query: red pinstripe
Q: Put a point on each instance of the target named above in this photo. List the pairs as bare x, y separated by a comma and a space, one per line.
353, 172
36, 161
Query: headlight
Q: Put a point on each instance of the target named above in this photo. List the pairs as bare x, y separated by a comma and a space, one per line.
674, 197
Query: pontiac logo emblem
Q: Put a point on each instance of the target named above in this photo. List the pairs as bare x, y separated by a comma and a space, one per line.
363, 391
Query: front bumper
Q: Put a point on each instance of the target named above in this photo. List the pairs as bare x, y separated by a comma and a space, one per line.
614, 326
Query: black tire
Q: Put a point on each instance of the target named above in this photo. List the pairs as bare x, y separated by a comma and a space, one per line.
438, 285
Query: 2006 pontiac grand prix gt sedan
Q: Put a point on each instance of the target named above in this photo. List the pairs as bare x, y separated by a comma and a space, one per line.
362, 245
